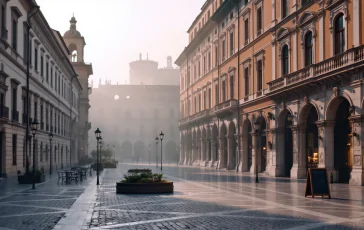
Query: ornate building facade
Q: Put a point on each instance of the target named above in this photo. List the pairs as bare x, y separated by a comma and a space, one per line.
55, 92
275, 87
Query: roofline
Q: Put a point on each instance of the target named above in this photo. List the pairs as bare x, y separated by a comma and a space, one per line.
199, 15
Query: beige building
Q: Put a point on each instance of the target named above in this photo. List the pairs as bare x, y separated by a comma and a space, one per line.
131, 116
275, 87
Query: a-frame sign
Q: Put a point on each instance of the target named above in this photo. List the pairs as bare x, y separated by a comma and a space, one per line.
317, 183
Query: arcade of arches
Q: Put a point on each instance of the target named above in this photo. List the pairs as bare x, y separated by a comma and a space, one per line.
283, 141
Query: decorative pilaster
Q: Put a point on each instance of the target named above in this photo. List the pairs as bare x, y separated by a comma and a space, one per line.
255, 161
357, 173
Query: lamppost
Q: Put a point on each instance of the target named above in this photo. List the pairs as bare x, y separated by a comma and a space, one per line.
98, 137
257, 132
34, 132
156, 152
50, 152
161, 135
149, 153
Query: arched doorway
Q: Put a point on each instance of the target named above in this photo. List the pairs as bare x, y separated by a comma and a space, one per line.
261, 147
232, 147
139, 151
247, 146
223, 147
170, 152
286, 156
214, 144
126, 150
208, 144
343, 142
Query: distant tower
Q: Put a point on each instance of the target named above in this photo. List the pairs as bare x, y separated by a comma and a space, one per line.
75, 42
169, 62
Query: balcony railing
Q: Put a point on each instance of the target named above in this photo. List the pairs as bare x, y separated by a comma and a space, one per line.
200, 114
184, 120
227, 105
4, 112
339, 61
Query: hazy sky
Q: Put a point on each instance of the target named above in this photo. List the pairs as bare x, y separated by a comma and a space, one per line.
116, 31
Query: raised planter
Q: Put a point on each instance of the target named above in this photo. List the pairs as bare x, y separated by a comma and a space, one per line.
144, 188
28, 179
109, 165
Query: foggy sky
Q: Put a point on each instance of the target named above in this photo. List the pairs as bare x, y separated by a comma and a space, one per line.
118, 30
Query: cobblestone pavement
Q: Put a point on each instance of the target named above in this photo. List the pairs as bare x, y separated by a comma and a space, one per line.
210, 199
23, 208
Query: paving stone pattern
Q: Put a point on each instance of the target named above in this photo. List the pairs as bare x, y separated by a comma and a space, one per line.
23, 208
206, 199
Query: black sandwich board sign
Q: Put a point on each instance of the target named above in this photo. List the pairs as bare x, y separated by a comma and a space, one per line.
317, 183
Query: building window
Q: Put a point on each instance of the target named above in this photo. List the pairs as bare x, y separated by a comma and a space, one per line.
339, 34
304, 2
285, 8
231, 43
231, 87
42, 67
204, 100
246, 31
14, 103
204, 64
216, 56
223, 89
223, 49
260, 75
4, 32
35, 110
308, 49
246, 81
199, 102
209, 98
209, 61
14, 148
194, 72
15, 34
199, 69
41, 117
35, 58
259, 21
285, 60
216, 94
195, 102
25, 45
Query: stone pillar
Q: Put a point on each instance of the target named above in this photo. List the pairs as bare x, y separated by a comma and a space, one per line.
221, 151
272, 154
193, 152
231, 152
326, 146
203, 151
296, 167
213, 152
255, 161
241, 159
357, 174
208, 149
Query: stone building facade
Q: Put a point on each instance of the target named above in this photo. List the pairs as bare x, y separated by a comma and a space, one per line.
131, 116
55, 92
275, 87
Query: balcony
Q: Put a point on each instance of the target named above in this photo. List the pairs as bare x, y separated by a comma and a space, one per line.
199, 115
226, 108
4, 112
184, 121
345, 61
15, 116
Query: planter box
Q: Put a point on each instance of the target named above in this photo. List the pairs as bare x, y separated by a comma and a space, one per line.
144, 188
110, 166
28, 179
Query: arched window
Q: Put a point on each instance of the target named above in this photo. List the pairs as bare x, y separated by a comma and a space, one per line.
304, 2
285, 60
285, 8
339, 34
308, 49
260, 75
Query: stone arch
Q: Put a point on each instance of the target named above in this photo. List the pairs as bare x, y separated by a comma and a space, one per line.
232, 154
139, 152
284, 147
302, 116
127, 149
214, 143
170, 151
247, 145
282, 32
334, 103
306, 16
72, 47
223, 146
261, 144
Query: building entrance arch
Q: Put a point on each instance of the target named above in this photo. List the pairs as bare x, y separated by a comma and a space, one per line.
285, 147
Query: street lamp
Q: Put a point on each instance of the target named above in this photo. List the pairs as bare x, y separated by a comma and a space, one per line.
156, 152
257, 129
50, 152
98, 137
161, 136
34, 127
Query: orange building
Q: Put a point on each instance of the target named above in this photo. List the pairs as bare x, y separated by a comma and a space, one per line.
275, 87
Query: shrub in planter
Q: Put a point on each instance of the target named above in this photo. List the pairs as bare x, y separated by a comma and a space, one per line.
139, 170
109, 163
94, 166
28, 178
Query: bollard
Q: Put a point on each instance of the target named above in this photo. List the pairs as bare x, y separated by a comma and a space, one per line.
331, 178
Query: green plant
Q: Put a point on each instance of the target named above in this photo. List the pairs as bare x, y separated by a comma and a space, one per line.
157, 177
144, 177
139, 170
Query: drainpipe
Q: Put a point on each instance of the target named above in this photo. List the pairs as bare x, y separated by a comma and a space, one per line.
35, 10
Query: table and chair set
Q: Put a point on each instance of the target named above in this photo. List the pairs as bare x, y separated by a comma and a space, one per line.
74, 174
